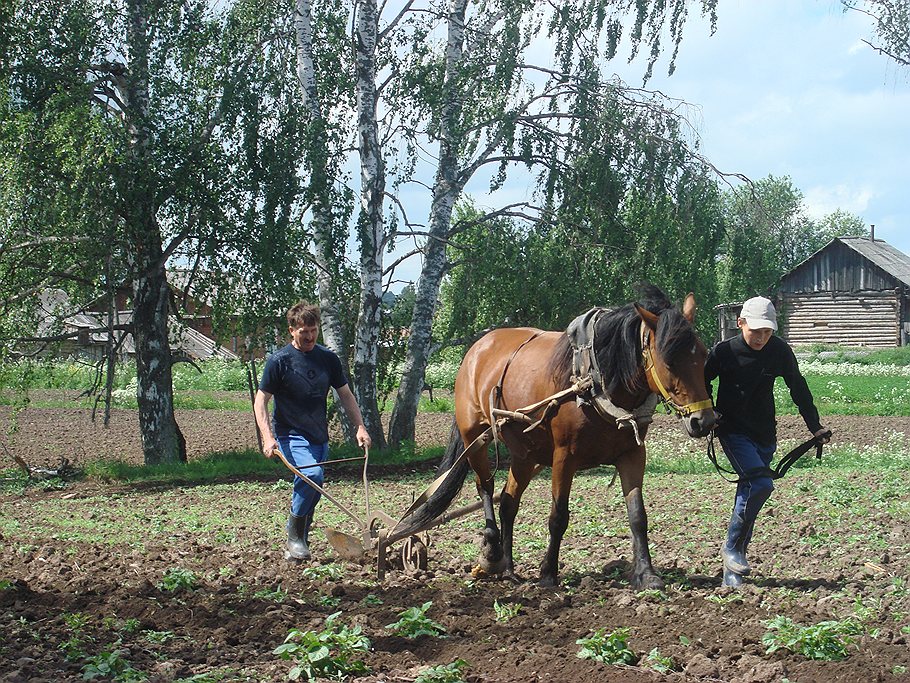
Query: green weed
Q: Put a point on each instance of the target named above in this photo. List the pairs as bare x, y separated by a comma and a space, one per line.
329, 653
112, 665
177, 579
506, 611
444, 673
275, 595
157, 637
322, 572
655, 660
827, 640
609, 648
414, 622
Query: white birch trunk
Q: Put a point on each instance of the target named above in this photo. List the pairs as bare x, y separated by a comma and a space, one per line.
370, 226
447, 187
161, 438
325, 249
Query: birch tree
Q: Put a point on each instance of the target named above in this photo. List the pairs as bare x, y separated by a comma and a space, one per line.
148, 85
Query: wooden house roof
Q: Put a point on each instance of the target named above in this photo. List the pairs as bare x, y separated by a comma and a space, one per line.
892, 265
893, 261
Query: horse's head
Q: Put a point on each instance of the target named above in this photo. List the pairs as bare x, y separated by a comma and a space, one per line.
674, 361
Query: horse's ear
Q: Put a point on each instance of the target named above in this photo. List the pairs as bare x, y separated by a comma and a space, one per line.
689, 308
646, 315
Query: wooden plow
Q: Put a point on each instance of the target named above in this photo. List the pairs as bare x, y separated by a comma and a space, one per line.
378, 530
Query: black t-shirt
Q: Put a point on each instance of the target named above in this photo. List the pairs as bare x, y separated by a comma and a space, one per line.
745, 394
300, 383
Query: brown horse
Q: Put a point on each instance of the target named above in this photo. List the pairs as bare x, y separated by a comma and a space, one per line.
638, 351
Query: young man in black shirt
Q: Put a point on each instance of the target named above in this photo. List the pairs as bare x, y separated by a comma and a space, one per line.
747, 366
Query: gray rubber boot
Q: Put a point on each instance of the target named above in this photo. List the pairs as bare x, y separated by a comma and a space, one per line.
732, 579
298, 537
733, 551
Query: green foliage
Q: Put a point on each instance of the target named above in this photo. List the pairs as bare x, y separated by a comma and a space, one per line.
768, 232
453, 672
112, 665
827, 640
329, 653
274, 595
157, 637
661, 664
322, 572
74, 646
414, 622
831, 354
506, 611
178, 579
440, 373
609, 648
600, 244
853, 394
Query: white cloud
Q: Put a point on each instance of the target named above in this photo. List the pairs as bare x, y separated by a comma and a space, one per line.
822, 200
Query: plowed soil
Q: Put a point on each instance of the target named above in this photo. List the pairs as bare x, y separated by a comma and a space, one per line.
81, 569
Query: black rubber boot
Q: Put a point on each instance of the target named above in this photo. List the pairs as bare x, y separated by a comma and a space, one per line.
298, 537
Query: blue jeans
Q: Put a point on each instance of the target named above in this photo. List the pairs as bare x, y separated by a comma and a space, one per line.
306, 457
750, 460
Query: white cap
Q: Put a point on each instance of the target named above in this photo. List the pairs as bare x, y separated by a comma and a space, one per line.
759, 313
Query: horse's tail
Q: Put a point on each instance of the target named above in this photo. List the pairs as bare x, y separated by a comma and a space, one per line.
441, 498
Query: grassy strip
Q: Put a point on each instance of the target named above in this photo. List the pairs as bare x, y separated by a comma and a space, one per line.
227, 465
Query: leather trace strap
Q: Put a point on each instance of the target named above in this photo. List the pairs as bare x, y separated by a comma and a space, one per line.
783, 465
651, 369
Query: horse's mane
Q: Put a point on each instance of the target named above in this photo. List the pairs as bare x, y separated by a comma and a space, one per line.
618, 348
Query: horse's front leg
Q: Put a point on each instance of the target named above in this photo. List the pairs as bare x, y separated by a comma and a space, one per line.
558, 522
631, 469
520, 475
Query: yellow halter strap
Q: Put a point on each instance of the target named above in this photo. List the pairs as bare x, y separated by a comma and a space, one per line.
681, 410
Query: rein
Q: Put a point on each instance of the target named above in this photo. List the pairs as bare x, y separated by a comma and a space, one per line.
783, 465
651, 369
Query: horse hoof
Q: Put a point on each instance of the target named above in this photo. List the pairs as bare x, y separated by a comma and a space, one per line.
648, 582
732, 579
548, 582
493, 566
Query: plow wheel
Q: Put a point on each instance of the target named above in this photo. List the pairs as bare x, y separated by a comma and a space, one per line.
414, 554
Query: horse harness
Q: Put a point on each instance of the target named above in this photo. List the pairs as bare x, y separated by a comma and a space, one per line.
582, 335
588, 385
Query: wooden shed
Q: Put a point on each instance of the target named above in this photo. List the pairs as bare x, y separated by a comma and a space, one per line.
855, 291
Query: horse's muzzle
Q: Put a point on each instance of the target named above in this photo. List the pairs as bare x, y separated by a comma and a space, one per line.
699, 423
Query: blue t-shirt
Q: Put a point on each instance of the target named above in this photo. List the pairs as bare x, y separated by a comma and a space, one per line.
300, 383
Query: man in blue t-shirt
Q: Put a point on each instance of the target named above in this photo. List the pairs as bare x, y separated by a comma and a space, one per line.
299, 377
747, 366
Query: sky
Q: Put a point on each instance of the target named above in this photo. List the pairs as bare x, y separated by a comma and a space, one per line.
788, 88
783, 88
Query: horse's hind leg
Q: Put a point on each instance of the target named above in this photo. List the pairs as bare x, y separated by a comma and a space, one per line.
558, 521
492, 560
631, 469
